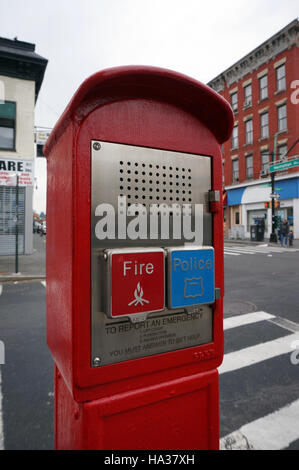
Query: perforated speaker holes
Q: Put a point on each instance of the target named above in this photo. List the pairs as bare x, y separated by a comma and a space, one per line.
150, 183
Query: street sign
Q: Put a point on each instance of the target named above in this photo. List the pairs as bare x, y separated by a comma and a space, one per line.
135, 281
190, 277
284, 165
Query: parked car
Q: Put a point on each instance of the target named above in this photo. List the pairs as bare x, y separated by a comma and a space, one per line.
44, 228
36, 227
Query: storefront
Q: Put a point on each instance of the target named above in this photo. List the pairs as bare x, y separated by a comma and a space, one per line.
16, 190
250, 201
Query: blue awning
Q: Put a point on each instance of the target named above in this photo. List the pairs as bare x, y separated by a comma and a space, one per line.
288, 189
234, 196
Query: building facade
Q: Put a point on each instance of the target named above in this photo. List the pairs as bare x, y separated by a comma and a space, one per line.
263, 90
21, 76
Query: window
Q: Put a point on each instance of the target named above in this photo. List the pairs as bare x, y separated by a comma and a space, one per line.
248, 132
281, 151
237, 218
234, 101
7, 125
281, 78
235, 137
282, 117
263, 87
235, 170
247, 96
265, 161
264, 125
249, 167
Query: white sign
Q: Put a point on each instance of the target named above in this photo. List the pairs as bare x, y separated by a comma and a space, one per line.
41, 137
11, 167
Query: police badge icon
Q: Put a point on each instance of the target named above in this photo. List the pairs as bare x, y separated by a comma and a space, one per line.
193, 288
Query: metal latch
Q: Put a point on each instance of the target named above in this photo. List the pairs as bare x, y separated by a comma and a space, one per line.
214, 196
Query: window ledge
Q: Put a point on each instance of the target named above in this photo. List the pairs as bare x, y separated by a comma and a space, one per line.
280, 91
263, 100
282, 132
8, 150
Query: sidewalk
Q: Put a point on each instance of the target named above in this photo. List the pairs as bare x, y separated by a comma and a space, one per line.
30, 266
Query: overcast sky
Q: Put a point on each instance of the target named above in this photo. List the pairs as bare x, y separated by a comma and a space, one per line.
195, 37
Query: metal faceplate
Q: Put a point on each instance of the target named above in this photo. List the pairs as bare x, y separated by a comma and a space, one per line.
144, 176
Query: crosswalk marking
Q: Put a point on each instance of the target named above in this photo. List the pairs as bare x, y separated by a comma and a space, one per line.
226, 252
243, 250
240, 250
272, 432
279, 429
258, 353
246, 319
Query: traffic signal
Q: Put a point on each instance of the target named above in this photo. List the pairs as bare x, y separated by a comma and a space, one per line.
268, 204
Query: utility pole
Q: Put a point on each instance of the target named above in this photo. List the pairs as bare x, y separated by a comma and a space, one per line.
273, 236
17, 225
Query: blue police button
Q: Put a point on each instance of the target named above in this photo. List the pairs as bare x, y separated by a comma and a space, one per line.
191, 276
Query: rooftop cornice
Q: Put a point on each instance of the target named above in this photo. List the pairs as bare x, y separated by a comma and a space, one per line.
284, 39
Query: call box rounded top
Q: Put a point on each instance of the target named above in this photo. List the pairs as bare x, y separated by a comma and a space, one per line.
146, 82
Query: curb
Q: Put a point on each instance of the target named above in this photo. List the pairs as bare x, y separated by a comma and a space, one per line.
22, 277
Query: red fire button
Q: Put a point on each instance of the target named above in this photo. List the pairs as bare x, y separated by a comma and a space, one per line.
136, 281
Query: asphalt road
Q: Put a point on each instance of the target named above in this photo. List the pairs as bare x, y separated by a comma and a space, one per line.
269, 282
27, 375
258, 382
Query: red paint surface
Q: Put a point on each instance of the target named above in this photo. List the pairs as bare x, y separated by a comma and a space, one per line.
177, 415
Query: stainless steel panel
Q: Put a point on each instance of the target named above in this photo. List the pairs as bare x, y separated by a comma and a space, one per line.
145, 176
118, 341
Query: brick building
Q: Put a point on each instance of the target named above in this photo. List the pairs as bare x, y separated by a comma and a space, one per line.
262, 89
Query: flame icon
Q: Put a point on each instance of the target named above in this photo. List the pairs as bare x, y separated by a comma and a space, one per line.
138, 294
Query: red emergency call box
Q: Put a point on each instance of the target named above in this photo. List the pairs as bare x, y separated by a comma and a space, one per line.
135, 272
